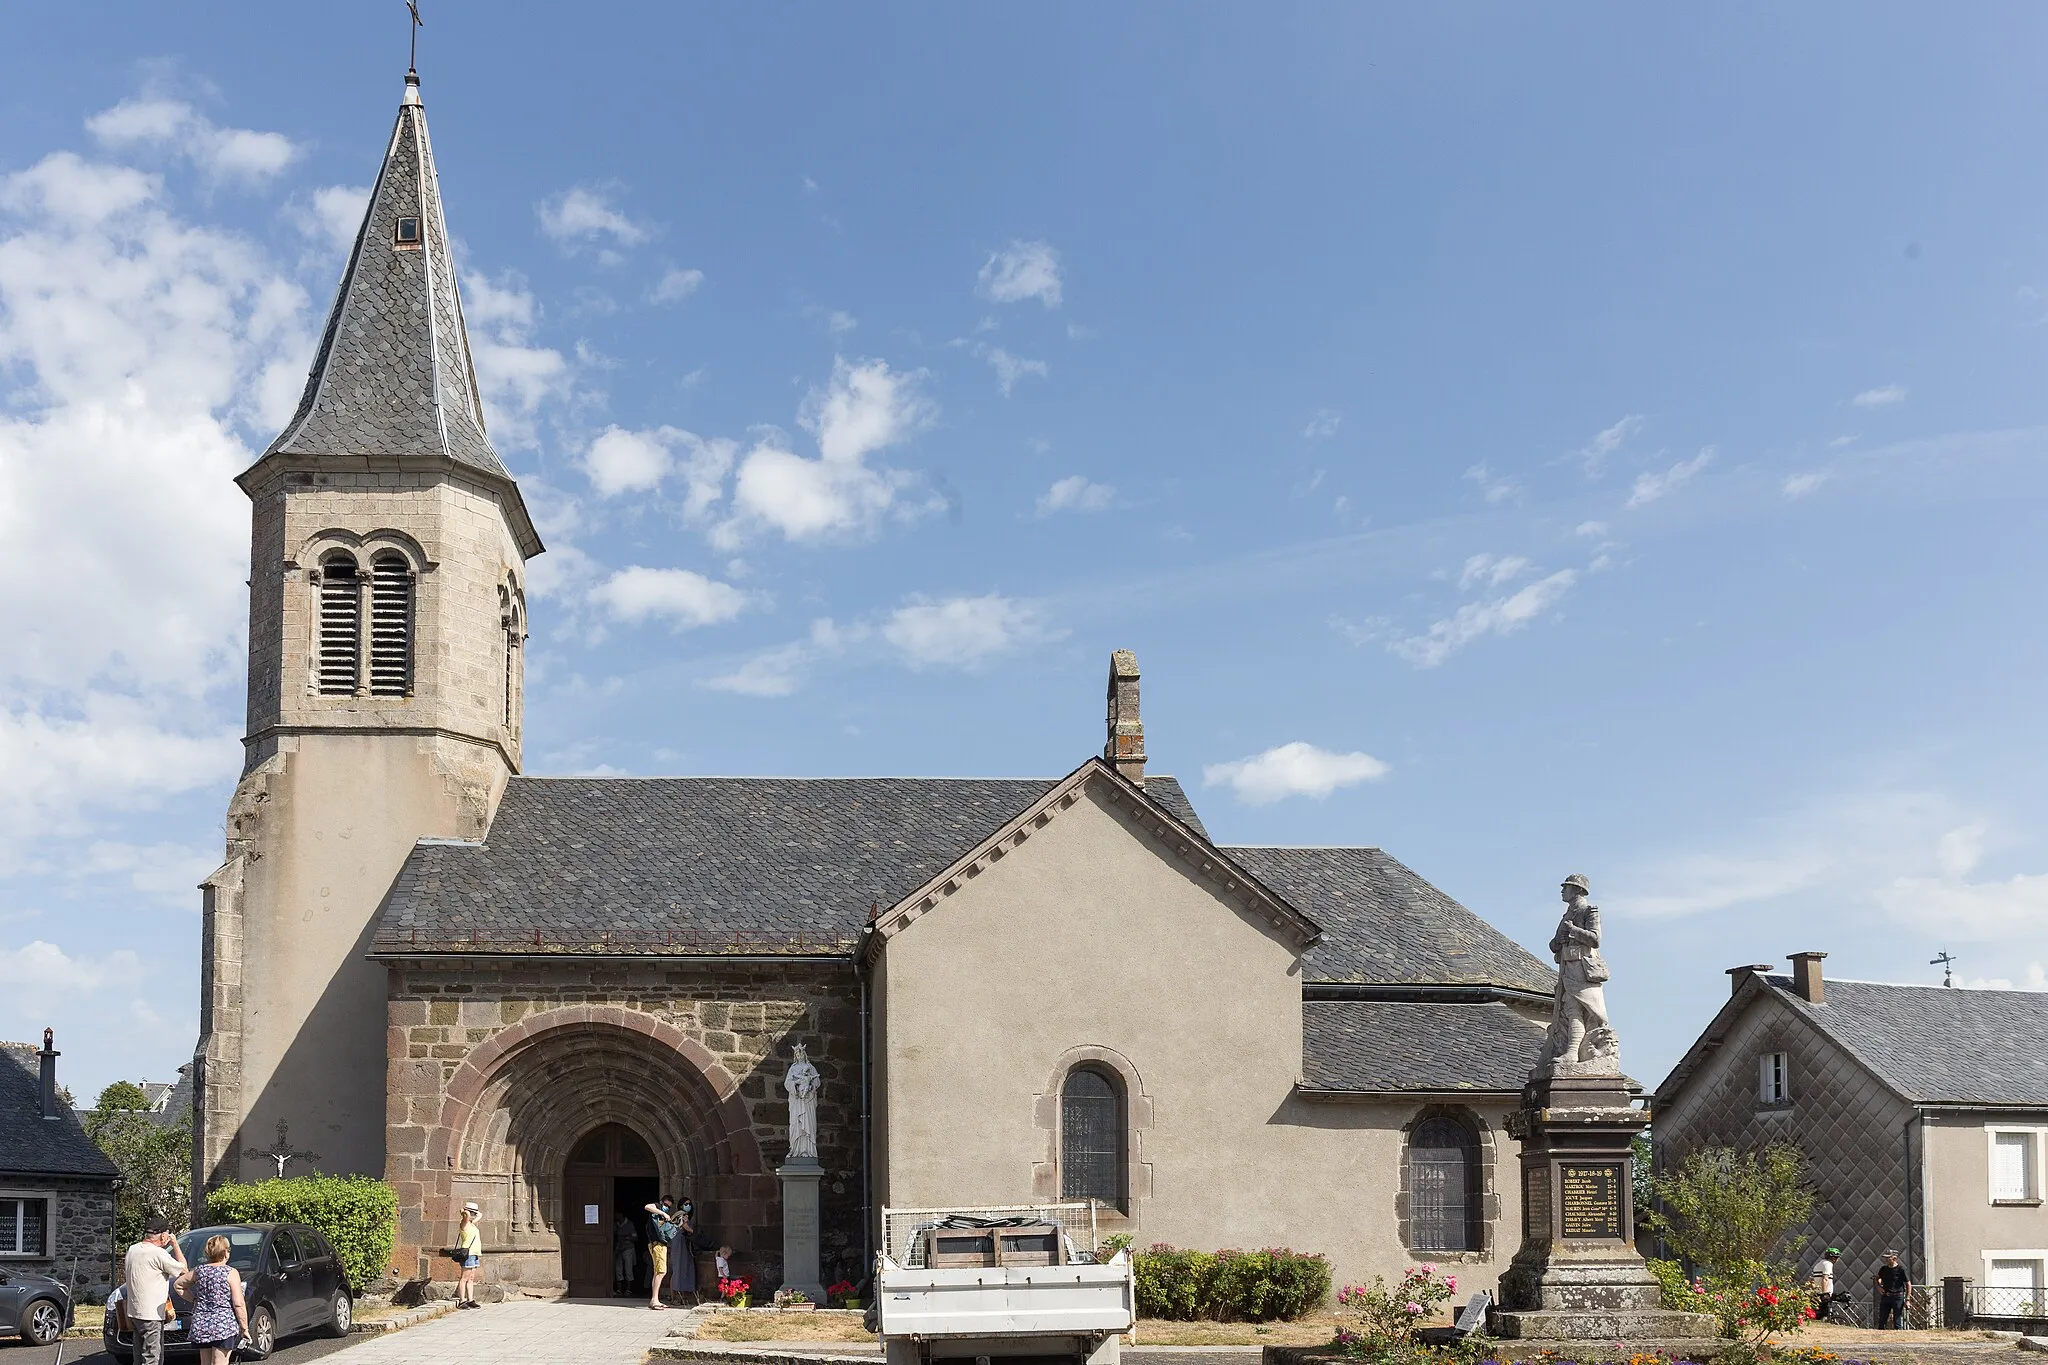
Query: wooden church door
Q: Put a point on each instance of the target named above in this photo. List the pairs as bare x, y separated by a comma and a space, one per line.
601, 1159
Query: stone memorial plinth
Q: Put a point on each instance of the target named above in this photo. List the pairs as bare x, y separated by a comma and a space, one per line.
800, 1179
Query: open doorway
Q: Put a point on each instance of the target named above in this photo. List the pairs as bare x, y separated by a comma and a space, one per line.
631, 1194
607, 1169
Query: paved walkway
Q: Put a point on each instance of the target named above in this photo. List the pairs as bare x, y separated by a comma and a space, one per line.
524, 1332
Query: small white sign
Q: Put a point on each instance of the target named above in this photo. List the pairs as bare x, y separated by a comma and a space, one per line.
590, 1214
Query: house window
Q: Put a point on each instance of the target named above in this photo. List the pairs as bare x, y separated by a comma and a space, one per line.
1092, 1137
1773, 1084
24, 1225
391, 613
2014, 1174
1443, 1187
2013, 1286
338, 661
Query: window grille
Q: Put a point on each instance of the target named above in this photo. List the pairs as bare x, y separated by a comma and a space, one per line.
390, 626
341, 627
1443, 1187
1091, 1137
23, 1226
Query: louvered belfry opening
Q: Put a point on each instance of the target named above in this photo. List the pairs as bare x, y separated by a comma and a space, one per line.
390, 626
1092, 1137
1443, 1187
341, 627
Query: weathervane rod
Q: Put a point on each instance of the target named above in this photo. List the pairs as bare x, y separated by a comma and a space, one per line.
413, 61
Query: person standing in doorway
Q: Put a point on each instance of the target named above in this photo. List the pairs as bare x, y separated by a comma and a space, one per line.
625, 1239
469, 1249
1894, 1287
682, 1271
1821, 1280
665, 1229
150, 1266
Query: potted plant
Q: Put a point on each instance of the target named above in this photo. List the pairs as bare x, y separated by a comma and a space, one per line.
794, 1301
737, 1291
842, 1294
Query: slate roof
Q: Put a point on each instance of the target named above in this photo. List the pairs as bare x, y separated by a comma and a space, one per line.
1383, 924
393, 375
1387, 1045
1935, 1044
31, 1144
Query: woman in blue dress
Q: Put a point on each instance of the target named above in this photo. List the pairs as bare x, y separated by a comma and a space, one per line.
220, 1319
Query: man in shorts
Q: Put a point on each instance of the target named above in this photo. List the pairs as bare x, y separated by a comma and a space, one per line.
666, 1226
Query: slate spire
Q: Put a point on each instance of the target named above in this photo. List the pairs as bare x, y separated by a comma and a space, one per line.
393, 375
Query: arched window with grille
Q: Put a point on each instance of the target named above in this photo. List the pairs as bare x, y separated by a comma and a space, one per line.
337, 662
1092, 1151
391, 613
1444, 1186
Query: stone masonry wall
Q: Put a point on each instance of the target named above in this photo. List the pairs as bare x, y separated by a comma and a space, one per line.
83, 1214
496, 1068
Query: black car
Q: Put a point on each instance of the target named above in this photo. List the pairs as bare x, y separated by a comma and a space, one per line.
36, 1306
291, 1281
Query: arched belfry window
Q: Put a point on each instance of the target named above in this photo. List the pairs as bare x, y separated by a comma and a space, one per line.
1444, 1187
338, 662
508, 618
1092, 1152
391, 625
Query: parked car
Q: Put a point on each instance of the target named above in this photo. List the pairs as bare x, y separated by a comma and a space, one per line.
36, 1306
291, 1281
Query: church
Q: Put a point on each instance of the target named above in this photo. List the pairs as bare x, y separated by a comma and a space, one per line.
554, 996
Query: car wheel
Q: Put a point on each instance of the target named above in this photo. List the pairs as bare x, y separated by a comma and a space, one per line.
262, 1330
341, 1314
42, 1323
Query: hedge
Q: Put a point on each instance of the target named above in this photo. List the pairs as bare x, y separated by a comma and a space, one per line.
357, 1215
1229, 1286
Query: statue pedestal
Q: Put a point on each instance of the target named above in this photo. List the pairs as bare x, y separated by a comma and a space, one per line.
1578, 1276
800, 1179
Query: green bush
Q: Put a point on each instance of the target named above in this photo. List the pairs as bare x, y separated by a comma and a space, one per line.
1679, 1293
357, 1215
1228, 1286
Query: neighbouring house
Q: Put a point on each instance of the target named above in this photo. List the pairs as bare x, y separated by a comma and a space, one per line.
168, 1103
1923, 1111
56, 1187
554, 996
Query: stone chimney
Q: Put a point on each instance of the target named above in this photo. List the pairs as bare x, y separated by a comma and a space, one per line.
49, 1056
1125, 748
1738, 975
1806, 978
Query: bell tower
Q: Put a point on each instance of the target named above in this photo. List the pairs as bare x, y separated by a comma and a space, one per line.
386, 623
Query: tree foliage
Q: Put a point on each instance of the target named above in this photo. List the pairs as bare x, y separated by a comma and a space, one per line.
1731, 1213
155, 1160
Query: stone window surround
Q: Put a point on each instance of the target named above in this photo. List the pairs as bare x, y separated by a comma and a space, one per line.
2037, 1158
1138, 1119
362, 548
1489, 1192
49, 1199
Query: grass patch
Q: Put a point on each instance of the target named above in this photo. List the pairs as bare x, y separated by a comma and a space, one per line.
1311, 1329
823, 1324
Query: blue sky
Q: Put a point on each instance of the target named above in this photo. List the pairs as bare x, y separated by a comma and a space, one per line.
1609, 442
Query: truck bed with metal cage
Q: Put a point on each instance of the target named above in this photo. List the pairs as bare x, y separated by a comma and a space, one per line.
1019, 1283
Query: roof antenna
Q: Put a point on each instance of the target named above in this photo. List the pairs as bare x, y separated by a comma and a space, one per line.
1947, 964
412, 65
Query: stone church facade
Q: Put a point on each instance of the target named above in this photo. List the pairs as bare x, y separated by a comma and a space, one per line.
549, 995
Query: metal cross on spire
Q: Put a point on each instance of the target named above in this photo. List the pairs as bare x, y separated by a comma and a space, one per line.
282, 1152
413, 63
1947, 963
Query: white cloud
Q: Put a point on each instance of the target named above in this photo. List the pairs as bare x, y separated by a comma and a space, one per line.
621, 461
223, 153
677, 285
1010, 368
1476, 620
839, 322
1592, 456
780, 671
333, 215
516, 376
583, 214
2036, 979
41, 975
1493, 487
1880, 398
1296, 769
681, 597
1799, 485
168, 874
1651, 486
1590, 528
1490, 570
1322, 426
1022, 270
1075, 494
962, 632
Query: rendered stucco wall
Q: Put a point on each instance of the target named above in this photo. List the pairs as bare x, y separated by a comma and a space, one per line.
1092, 942
1962, 1222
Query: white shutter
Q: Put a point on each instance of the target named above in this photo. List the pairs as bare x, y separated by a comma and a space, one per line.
2012, 1160
2014, 1274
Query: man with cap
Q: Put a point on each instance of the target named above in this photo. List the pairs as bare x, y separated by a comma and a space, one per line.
149, 1268
1894, 1287
1821, 1280
469, 1254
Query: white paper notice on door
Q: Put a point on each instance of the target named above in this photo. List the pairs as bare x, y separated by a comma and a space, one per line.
589, 1215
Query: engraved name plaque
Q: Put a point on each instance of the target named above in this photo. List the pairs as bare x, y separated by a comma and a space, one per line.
1590, 1197
1536, 1203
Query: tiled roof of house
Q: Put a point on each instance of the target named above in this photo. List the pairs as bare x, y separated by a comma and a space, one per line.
1936, 1045
1389, 1045
31, 1144
1383, 924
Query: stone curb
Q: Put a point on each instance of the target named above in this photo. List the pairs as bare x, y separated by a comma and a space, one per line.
398, 1322
738, 1351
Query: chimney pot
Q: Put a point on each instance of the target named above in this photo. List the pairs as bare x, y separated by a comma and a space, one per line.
1125, 748
1806, 978
1738, 975
49, 1056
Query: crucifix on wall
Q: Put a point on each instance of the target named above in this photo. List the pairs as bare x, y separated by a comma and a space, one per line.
282, 1152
